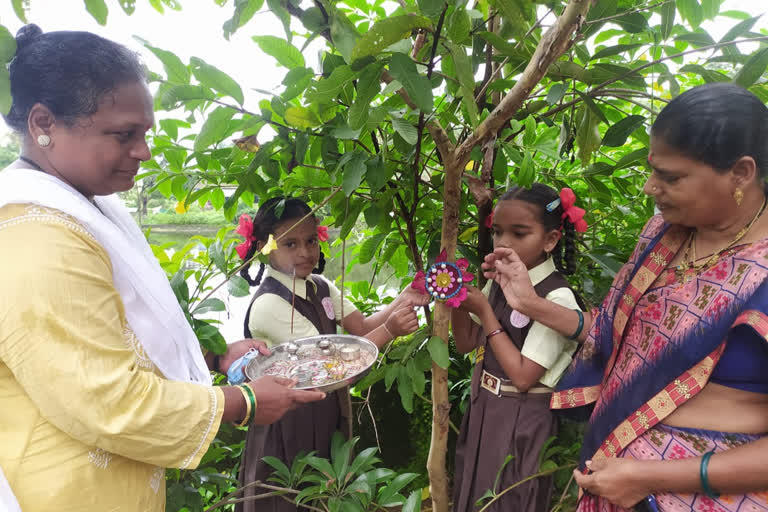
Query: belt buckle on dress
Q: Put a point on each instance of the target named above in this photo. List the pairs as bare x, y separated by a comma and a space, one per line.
491, 383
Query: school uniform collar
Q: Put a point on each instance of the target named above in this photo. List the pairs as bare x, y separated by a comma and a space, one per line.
287, 281
542, 271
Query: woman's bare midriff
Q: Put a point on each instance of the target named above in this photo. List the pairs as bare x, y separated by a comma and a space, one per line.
723, 409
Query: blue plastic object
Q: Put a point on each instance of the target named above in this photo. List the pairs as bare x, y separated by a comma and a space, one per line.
236, 372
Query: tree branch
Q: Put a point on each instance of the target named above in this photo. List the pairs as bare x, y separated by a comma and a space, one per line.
552, 45
594, 91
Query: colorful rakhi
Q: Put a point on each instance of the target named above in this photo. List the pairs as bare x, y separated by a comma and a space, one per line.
444, 280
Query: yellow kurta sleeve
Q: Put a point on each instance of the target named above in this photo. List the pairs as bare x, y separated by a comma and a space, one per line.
64, 337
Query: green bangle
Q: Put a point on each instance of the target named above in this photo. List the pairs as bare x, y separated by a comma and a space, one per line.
580, 327
252, 399
705, 477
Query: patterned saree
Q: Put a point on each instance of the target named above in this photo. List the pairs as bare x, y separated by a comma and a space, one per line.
653, 345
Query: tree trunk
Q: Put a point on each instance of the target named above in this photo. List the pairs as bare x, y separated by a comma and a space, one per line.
441, 407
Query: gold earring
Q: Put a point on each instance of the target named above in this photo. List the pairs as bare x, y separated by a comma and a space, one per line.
738, 196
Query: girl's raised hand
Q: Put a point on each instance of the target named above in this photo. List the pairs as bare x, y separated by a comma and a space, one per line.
402, 321
505, 267
475, 302
413, 297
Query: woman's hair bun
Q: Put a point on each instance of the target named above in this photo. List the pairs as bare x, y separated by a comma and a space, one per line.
27, 34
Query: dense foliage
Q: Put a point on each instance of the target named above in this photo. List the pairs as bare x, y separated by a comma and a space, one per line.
404, 86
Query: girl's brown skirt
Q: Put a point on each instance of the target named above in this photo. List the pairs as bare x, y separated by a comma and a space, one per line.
493, 427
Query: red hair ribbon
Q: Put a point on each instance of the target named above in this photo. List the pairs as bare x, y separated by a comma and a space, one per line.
573, 213
245, 229
489, 220
322, 233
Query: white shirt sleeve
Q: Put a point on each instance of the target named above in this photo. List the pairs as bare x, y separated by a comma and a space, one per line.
546, 346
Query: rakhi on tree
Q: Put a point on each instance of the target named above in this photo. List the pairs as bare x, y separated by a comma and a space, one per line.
444, 280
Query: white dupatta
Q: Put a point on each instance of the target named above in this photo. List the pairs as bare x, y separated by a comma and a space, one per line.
151, 307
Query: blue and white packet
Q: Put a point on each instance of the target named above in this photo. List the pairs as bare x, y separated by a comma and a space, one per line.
236, 372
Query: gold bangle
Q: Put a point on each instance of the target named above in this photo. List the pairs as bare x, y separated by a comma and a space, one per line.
252, 399
248, 412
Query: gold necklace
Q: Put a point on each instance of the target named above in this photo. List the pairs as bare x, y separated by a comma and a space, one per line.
688, 267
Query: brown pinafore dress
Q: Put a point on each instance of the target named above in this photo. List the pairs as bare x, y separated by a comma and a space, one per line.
308, 428
507, 423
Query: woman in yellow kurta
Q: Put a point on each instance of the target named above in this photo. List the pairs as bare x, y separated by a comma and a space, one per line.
102, 383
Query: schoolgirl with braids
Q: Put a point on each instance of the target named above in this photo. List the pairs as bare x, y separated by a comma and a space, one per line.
294, 300
519, 358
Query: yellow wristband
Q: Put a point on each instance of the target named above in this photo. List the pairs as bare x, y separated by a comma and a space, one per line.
248, 408
252, 399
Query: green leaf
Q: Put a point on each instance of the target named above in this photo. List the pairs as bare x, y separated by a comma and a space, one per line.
690, 10
5, 91
368, 87
753, 69
527, 173
463, 67
218, 198
238, 287
438, 349
696, 39
615, 50
284, 52
216, 79
301, 117
405, 390
300, 147
709, 75
354, 171
343, 34
529, 135
387, 32
7, 45
329, 88
618, 133
395, 486
431, 8
668, 12
458, 26
739, 30
589, 102
516, 13
587, 134
20, 7
214, 129
170, 97
406, 130
556, 92
602, 9
277, 8
633, 23
97, 9
244, 11
403, 69
209, 305
369, 246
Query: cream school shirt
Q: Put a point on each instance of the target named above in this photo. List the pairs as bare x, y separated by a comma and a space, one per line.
543, 345
270, 318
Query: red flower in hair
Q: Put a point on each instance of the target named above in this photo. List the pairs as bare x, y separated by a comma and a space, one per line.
573, 213
245, 229
322, 233
489, 220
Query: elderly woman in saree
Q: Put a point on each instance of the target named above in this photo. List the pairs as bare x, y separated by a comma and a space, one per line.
102, 381
673, 372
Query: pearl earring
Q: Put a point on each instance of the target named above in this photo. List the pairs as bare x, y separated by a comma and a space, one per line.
43, 140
